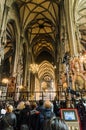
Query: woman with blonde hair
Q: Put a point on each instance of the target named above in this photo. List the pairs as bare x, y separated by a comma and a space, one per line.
8, 121
20, 107
24, 118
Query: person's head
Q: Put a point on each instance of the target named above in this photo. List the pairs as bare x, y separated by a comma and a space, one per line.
1, 105
57, 124
21, 105
47, 104
33, 105
9, 108
27, 103
41, 102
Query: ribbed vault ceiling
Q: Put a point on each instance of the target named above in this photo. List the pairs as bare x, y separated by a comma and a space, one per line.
39, 20
39, 23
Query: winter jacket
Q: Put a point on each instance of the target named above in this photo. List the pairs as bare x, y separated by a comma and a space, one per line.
8, 121
35, 120
24, 118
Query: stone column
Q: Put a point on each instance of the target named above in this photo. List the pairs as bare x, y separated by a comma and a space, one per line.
70, 27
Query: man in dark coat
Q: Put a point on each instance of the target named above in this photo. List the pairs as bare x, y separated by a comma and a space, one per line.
34, 117
24, 117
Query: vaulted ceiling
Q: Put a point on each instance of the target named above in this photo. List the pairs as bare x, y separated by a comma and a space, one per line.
39, 24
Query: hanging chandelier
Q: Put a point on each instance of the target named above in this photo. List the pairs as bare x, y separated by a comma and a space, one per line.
34, 68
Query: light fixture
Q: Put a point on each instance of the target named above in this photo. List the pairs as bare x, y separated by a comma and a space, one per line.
5, 81
20, 87
34, 68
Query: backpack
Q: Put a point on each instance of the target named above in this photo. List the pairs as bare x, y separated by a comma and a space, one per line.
45, 118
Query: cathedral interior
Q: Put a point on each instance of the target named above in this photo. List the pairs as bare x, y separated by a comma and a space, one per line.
42, 48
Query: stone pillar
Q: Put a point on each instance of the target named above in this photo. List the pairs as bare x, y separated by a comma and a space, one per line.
70, 27
32, 82
37, 87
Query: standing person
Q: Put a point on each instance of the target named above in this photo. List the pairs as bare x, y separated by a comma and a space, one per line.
19, 108
8, 121
40, 106
48, 114
2, 112
41, 109
34, 117
56, 108
24, 117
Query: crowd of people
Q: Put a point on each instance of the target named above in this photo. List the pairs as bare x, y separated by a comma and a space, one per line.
42, 115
